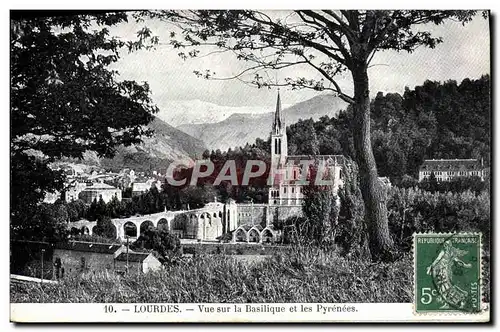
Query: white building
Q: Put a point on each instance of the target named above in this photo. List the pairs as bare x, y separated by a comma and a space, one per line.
139, 188
97, 190
73, 190
288, 184
448, 169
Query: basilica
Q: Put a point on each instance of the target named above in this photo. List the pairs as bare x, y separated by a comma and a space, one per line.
289, 179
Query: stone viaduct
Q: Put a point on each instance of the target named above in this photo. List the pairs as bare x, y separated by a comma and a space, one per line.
204, 224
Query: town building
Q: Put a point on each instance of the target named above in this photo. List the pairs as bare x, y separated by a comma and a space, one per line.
73, 190
136, 262
51, 198
77, 257
139, 188
97, 190
449, 169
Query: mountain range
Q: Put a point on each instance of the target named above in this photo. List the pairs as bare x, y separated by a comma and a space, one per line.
207, 126
184, 112
241, 128
154, 153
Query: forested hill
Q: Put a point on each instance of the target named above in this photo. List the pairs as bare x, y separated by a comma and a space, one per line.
434, 120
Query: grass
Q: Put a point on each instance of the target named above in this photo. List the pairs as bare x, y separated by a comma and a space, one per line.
301, 275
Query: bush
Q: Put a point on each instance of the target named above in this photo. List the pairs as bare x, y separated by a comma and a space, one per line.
166, 245
351, 232
415, 210
105, 228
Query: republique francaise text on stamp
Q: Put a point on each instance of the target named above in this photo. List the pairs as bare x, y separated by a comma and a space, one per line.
447, 272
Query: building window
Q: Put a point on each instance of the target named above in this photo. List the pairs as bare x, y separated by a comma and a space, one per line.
293, 190
284, 190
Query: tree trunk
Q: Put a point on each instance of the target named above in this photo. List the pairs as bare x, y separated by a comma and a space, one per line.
374, 194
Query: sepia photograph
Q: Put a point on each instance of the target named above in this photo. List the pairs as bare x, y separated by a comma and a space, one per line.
250, 165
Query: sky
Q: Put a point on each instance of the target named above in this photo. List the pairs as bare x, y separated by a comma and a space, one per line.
465, 52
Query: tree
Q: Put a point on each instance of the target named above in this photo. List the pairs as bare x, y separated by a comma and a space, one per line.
105, 227
161, 241
321, 211
303, 136
351, 233
49, 223
330, 42
65, 100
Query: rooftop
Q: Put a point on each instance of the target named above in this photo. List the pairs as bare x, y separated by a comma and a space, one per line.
99, 186
133, 256
102, 248
338, 159
451, 164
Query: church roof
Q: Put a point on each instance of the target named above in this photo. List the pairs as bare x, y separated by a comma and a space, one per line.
101, 248
133, 256
451, 165
330, 158
278, 116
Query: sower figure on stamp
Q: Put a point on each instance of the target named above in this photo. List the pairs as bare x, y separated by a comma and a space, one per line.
442, 271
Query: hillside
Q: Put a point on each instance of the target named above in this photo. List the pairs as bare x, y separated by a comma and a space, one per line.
239, 129
156, 152
184, 112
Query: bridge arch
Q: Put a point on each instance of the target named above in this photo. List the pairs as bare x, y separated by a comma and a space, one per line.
240, 235
179, 226
146, 225
130, 229
85, 230
163, 224
254, 235
268, 235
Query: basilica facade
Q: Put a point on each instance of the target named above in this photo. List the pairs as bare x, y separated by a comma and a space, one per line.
293, 172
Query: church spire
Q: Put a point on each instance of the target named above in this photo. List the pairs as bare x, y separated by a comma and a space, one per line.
278, 118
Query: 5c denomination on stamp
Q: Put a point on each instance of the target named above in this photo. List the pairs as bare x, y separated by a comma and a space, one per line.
447, 269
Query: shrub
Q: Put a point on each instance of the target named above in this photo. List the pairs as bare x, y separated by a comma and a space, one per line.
415, 210
166, 245
351, 232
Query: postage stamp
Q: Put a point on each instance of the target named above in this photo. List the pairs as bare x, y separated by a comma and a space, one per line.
447, 271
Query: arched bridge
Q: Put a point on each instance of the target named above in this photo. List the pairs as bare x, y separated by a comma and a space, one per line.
207, 223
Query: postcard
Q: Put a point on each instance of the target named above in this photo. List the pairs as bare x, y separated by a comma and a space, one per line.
250, 166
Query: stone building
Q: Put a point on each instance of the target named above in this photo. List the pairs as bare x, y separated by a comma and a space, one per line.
137, 262
97, 190
73, 190
449, 169
77, 257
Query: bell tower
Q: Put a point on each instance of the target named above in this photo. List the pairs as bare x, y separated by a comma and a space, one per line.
279, 144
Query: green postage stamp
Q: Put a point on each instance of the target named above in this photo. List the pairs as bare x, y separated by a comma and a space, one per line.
447, 272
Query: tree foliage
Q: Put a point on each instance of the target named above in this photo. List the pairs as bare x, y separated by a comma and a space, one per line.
161, 241
320, 208
66, 100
